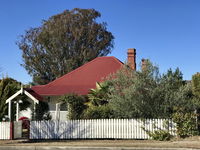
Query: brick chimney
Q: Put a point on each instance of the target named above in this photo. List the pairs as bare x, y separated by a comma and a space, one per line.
131, 58
144, 64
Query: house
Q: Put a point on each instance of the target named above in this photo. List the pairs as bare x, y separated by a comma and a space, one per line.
80, 81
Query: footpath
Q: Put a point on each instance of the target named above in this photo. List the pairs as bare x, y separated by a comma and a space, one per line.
192, 143
85, 148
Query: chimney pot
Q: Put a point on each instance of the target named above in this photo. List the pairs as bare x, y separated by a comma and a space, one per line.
132, 58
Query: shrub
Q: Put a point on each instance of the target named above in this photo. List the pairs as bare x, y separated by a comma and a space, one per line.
186, 123
41, 112
98, 112
161, 135
76, 105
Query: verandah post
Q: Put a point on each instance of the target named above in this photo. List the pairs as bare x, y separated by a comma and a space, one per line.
9, 110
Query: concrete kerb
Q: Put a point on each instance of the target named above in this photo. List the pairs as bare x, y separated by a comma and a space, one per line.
84, 148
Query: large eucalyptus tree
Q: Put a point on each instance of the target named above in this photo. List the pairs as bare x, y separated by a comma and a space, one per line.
64, 42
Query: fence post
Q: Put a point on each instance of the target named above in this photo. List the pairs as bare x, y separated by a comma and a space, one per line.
11, 130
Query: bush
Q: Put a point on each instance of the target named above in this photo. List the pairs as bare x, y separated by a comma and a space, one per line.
161, 135
41, 112
186, 123
76, 105
98, 112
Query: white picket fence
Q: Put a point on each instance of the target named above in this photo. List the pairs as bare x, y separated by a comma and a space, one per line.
4, 130
98, 128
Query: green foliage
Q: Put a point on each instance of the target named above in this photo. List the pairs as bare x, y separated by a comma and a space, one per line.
98, 112
41, 112
145, 93
196, 93
133, 95
185, 99
76, 105
169, 90
121, 95
196, 84
98, 102
8, 87
99, 95
71, 38
185, 111
186, 123
160, 135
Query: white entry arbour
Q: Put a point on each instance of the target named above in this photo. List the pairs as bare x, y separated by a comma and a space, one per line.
17, 108
20, 92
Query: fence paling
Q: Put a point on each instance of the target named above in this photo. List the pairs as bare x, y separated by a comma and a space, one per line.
96, 129
5, 130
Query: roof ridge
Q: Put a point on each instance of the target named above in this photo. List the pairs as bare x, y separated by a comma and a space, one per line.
86, 64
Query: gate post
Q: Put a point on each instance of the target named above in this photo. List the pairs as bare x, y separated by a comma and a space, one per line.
11, 130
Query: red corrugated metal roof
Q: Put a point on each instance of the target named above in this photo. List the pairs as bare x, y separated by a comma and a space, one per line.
82, 79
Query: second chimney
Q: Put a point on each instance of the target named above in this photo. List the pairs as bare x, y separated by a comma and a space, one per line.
144, 64
131, 58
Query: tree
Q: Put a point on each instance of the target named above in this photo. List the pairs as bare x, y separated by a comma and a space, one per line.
145, 93
185, 111
169, 87
8, 87
99, 95
185, 99
133, 94
64, 42
196, 92
196, 84
98, 102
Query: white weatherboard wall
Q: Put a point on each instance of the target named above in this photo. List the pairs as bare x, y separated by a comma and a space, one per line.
62, 114
4, 130
97, 129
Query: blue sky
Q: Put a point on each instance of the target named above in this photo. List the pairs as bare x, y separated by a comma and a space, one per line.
165, 31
